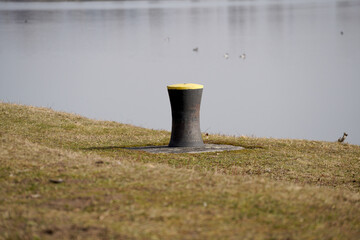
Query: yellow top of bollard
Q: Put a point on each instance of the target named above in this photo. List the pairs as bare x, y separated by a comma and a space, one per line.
185, 86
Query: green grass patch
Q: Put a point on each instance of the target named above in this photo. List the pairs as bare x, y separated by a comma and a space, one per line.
273, 189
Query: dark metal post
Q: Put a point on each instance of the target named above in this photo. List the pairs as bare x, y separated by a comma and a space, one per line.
185, 102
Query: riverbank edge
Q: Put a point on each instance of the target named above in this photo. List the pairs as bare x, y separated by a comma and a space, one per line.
63, 175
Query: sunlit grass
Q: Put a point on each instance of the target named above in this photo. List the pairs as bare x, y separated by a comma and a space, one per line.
273, 189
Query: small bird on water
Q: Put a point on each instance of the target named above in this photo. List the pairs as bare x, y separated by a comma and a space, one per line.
243, 56
196, 49
342, 139
226, 55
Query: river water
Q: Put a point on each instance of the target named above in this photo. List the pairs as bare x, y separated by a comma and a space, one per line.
300, 77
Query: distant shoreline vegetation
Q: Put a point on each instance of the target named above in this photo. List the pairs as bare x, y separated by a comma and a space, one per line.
77, 0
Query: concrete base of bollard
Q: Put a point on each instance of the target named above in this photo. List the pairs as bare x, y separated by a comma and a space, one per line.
206, 148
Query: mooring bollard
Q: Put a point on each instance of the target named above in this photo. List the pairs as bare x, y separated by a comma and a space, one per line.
185, 100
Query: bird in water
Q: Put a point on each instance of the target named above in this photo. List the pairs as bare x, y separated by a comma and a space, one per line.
226, 55
196, 49
243, 56
342, 139
342, 33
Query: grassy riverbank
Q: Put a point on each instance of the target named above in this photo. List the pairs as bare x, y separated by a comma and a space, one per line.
65, 176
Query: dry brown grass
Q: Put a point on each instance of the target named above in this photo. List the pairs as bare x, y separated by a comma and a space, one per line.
274, 189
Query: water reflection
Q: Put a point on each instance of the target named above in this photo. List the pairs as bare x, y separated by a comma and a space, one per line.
113, 60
